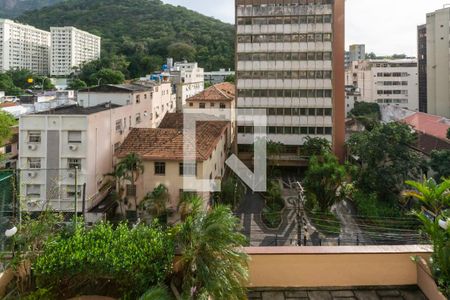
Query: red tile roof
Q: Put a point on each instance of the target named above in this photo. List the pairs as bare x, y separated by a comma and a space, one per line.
429, 124
224, 91
7, 104
167, 143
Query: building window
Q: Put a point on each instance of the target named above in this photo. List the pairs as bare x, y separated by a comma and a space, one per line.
131, 190
33, 190
160, 168
138, 99
8, 148
189, 169
202, 105
138, 118
74, 163
74, 137
71, 191
223, 106
34, 137
116, 147
34, 163
191, 104
119, 125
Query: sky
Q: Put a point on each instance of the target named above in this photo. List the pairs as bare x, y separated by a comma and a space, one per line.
385, 26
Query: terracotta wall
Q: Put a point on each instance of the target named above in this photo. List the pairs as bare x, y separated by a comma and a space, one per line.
334, 266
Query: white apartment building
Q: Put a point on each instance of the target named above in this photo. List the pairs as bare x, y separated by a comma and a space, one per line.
71, 48
386, 82
438, 62
159, 97
53, 143
220, 76
188, 79
290, 61
24, 47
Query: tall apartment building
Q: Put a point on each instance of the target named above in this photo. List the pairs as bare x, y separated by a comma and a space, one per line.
386, 82
438, 62
23, 47
422, 66
71, 48
290, 61
188, 79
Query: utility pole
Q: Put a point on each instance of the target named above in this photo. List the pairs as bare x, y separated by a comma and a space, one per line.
76, 195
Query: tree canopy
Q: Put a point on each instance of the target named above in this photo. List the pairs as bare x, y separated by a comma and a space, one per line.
158, 30
6, 121
440, 163
386, 159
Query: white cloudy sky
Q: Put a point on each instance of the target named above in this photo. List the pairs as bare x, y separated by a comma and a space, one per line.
385, 26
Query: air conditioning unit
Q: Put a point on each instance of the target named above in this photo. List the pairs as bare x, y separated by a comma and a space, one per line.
32, 174
32, 147
73, 147
32, 203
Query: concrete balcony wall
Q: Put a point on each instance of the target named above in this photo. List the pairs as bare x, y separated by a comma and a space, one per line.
334, 266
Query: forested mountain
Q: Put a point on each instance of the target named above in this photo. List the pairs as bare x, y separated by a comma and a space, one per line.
13, 8
139, 34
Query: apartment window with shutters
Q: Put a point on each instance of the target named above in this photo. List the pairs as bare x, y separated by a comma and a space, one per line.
119, 125
74, 137
34, 137
138, 118
33, 190
34, 163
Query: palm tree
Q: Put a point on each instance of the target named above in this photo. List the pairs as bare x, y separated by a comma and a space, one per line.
118, 174
436, 198
213, 263
133, 167
156, 201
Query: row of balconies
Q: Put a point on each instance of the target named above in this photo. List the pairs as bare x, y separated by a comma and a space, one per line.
284, 47
285, 29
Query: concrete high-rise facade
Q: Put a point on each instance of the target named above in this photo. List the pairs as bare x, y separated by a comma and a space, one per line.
386, 81
23, 47
290, 61
422, 66
71, 48
438, 62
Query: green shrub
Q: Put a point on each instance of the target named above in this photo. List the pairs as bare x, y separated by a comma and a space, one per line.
156, 293
106, 261
271, 214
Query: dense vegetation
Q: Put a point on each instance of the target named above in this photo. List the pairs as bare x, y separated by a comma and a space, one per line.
138, 35
14, 8
15, 82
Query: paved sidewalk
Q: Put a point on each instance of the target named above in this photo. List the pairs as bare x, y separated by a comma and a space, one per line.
376, 293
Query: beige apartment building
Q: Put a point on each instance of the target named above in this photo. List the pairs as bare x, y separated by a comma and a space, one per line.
219, 96
161, 150
290, 62
189, 80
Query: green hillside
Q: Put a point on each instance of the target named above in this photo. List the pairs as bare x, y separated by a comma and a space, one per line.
13, 8
140, 34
